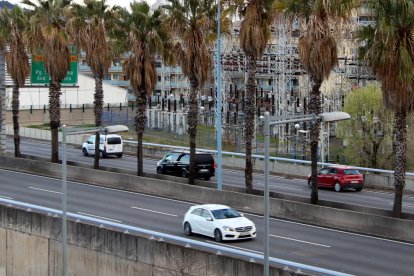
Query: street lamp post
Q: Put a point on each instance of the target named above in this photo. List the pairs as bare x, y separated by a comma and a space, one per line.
324, 117
297, 126
65, 132
218, 122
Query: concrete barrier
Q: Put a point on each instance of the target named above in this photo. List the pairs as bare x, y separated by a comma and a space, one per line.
30, 244
400, 229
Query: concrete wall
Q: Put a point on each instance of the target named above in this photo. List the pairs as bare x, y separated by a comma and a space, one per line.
40, 117
38, 96
30, 244
401, 229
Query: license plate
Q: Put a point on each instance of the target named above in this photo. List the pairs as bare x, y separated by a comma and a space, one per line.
354, 181
244, 235
203, 170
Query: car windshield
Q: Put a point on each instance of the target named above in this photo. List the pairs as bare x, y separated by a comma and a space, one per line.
351, 171
225, 214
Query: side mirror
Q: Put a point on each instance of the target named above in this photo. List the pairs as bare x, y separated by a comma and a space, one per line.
209, 219
241, 214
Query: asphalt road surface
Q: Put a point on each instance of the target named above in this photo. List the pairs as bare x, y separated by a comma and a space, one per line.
326, 248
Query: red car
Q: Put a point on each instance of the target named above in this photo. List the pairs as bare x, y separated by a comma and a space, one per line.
339, 178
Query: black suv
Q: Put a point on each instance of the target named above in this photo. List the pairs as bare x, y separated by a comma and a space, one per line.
178, 163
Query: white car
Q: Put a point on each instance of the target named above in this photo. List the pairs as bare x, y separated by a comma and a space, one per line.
218, 221
110, 144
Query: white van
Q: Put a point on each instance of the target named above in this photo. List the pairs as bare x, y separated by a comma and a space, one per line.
110, 144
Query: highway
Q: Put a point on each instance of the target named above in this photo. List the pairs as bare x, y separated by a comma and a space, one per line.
331, 249
298, 187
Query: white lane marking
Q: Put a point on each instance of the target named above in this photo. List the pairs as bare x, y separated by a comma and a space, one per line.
261, 174
404, 205
333, 230
152, 211
283, 187
236, 247
6, 197
286, 238
134, 193
86, 214
44, 190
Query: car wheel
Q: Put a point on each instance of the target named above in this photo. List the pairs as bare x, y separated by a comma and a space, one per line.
119, 155
159, 170
218, 236
85, 152
207, 178
185, 173
337, 187
187, 229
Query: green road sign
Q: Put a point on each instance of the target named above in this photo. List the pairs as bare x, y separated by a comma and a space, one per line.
39, 75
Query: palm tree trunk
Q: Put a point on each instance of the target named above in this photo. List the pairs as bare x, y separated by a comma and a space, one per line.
54, 114
400, 160
15, 110
192, 125
315, 108
140, 121
250, 107
2, 105
98, 106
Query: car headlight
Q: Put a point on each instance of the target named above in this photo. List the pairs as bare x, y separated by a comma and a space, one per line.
228, 228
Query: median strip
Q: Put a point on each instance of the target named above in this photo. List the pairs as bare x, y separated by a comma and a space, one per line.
152, 211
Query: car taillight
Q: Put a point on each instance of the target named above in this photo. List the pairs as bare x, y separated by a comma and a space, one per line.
214, 165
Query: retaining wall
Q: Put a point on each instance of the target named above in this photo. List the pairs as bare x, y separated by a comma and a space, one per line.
30, 244
401, 229
39, 116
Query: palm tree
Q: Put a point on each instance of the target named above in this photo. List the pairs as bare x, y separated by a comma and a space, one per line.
143, 35
319, 55
13, 24
88, 29
258, 15
389, 50
48, 35
193, 23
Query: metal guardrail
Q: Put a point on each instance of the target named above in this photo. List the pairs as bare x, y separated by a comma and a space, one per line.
219, 249
256, 156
